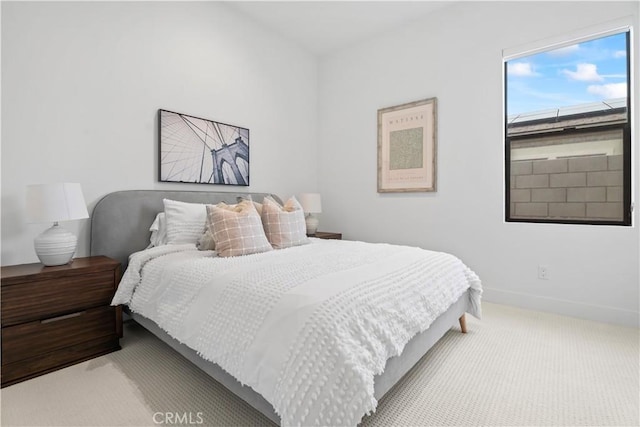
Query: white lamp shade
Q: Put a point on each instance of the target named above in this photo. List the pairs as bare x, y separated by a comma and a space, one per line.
311, 202
55, 202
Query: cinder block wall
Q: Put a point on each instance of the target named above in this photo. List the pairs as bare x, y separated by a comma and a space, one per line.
586, 188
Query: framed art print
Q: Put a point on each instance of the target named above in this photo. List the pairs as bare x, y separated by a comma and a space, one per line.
407, 147
202, 151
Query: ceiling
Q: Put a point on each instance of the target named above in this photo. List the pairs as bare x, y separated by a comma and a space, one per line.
322, 27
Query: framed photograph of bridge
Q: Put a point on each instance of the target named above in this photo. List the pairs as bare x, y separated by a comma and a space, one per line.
407, 147
201, 151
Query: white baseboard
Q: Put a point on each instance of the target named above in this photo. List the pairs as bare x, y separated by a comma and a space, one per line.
598, 313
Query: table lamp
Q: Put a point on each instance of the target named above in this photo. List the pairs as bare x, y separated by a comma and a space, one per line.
54, 203
311, 204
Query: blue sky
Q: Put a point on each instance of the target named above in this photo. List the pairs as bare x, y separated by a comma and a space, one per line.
577, 74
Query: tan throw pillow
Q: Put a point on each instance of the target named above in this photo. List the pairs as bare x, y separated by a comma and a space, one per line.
206, 242
284, 226
236, 229
257, 205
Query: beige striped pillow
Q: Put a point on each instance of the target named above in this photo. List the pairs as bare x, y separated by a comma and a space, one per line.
206, 242
284, 225
236, 229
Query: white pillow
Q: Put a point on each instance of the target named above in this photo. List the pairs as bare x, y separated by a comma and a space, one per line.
284, 225
237, 229
158, 230
185, 221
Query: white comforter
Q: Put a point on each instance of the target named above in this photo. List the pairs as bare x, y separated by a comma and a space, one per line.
306, 327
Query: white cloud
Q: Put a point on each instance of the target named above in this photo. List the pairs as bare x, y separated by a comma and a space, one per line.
584, 73
608, 91
521, 69
564, 51
620, 54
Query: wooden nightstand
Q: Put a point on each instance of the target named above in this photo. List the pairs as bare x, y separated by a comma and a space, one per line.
327, 235
54, 317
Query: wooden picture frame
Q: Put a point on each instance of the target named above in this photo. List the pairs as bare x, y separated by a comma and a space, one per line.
407, 147
201, 151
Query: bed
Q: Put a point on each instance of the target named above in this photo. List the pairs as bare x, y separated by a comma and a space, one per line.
302, 391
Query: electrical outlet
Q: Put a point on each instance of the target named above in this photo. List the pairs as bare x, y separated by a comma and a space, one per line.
543, 272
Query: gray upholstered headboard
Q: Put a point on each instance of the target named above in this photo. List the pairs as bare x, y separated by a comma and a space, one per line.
120, 220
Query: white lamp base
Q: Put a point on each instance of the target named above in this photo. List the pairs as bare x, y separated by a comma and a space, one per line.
55, 246
312, 224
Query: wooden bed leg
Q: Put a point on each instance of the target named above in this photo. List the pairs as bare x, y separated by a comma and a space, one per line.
463, 324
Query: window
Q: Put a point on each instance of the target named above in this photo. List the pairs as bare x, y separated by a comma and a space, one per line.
568, 133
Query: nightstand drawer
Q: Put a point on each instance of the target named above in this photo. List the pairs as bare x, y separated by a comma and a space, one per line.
42, 336
19, 371
46, 298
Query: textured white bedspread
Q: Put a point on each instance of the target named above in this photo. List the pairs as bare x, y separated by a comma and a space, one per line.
306, 327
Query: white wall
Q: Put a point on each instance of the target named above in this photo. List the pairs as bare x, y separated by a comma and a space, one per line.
82, 83
456, 55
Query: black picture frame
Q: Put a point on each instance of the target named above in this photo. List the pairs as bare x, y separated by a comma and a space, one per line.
201, 151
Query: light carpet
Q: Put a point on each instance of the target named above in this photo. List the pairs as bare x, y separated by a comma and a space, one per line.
515, 367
